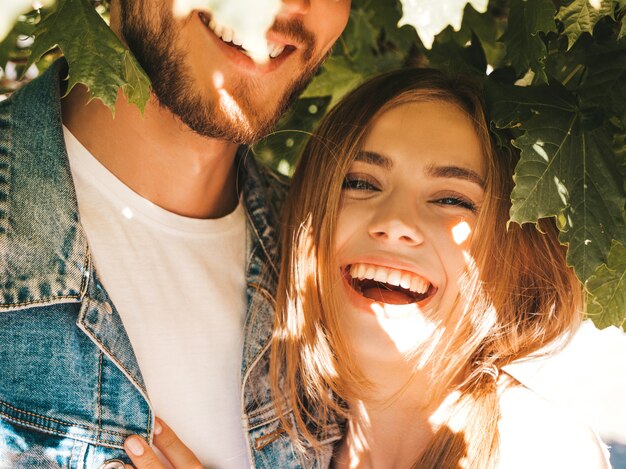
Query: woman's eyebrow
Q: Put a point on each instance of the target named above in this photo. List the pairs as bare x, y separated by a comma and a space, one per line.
374, 158
457, 172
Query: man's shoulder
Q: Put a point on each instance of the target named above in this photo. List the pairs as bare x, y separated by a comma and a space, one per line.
32, 107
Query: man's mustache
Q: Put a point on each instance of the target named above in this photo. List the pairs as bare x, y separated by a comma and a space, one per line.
295, 31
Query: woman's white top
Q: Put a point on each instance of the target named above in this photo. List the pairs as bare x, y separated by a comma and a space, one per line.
539, 434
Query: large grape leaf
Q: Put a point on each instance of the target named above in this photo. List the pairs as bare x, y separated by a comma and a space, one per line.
565, 171
486, 27
95, 55
524, 48
581, 16
456, 59
430, 17
607, 290
336, 79
604, 81
360, 36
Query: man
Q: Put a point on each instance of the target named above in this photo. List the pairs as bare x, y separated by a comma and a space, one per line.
133, 246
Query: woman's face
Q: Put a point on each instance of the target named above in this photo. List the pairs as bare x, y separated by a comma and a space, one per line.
409, 204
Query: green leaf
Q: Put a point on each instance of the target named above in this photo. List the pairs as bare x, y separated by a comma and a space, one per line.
450, 56
524, 48
360, 36
488, 28
430, 18
581, 16
622, 31
565, 171
604, 81
336, 79
95, 55
607, 290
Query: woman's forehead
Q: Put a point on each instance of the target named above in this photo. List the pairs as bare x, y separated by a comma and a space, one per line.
428, 132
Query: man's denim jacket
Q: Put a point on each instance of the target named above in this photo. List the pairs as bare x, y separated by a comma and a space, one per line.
70, 387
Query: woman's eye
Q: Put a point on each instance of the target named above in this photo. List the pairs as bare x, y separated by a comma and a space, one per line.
457, 202
358, 184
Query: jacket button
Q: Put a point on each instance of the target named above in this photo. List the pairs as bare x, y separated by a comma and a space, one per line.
112, 464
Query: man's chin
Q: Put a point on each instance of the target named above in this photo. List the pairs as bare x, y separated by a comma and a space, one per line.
225, 127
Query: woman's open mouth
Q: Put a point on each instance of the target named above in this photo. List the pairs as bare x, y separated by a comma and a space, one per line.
388, 285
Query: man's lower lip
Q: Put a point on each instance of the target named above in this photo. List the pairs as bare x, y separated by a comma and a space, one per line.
241, 59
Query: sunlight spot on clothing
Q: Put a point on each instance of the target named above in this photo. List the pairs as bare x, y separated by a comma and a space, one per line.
127, 212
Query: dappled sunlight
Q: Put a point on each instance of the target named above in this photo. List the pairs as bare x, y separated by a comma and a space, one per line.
460, 232
128, 213
406, 325
596, 4
251, 28
538, 147
562, 190
28, 448
229, 105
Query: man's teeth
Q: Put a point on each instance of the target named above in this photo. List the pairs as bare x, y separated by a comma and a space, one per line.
227, 34
395, 277
274, 50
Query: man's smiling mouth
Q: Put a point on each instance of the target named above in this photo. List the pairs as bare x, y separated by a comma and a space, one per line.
388, 285
229, 37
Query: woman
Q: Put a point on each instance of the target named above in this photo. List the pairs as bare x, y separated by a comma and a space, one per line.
403, 292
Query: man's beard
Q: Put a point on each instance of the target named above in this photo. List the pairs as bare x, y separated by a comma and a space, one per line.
157, 51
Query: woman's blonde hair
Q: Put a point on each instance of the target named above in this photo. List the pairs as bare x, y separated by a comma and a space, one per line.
523, 294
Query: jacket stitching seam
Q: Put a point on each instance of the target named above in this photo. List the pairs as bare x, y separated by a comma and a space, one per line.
111, 354
59, 433
43, 300
56, 297
61, 422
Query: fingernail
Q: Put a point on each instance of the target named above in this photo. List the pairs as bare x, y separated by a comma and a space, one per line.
134, 445
157, 428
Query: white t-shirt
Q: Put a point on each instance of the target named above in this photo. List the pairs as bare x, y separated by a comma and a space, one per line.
179, 285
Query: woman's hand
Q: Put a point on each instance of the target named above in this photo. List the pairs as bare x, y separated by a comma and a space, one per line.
177, 454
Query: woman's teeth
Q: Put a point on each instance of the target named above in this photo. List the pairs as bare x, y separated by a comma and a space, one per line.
401, 278
229, 35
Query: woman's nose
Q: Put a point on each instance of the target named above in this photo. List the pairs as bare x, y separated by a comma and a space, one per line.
296, 7
395, 227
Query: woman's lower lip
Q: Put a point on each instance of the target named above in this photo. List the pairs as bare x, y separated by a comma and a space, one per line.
366, 305
241, 59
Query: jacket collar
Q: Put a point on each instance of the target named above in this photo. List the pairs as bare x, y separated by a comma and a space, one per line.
264, 192
44, 250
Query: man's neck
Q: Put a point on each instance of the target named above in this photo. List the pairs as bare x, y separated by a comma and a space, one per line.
156, 155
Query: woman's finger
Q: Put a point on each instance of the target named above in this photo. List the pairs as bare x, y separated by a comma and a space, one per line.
142, 456
173, 448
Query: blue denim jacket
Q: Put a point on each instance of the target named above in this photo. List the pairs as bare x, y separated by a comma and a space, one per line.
71, 390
